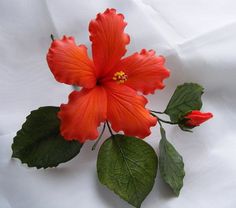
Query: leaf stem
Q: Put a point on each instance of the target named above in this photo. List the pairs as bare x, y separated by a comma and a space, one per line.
100, 136
109, 128
52, 37
159, 112
159, 123
168, 122
164, 121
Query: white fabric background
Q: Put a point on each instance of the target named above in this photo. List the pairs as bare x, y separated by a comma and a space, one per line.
198, 38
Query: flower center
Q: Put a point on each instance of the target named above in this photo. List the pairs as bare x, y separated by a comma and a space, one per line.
120, 77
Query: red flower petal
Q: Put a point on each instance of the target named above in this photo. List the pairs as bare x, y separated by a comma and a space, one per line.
126, 111
145, 71
83, 114
108, 40
70, 63
195, 118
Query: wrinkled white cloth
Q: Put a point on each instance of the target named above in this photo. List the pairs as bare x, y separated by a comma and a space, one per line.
198, 39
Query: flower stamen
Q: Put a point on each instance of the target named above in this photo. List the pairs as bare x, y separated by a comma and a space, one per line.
120, 77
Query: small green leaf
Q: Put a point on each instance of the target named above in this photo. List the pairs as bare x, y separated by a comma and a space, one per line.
127, 166
187, 97
39, 143
171, 165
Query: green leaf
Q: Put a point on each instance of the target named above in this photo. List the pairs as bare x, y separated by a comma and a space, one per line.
171, 165
187, 97
127, 166
39, 143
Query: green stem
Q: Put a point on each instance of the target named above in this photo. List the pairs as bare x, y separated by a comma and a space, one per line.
164, 121
159, 112
168, 122
52, 37
109, 128
99, 138
159, 123
163, 133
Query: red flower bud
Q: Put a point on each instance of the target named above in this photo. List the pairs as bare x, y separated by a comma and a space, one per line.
195, 118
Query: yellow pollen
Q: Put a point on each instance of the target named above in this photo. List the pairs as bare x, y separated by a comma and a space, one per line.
120, 77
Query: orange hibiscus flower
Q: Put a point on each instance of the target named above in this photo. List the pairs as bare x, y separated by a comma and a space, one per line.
109, 82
